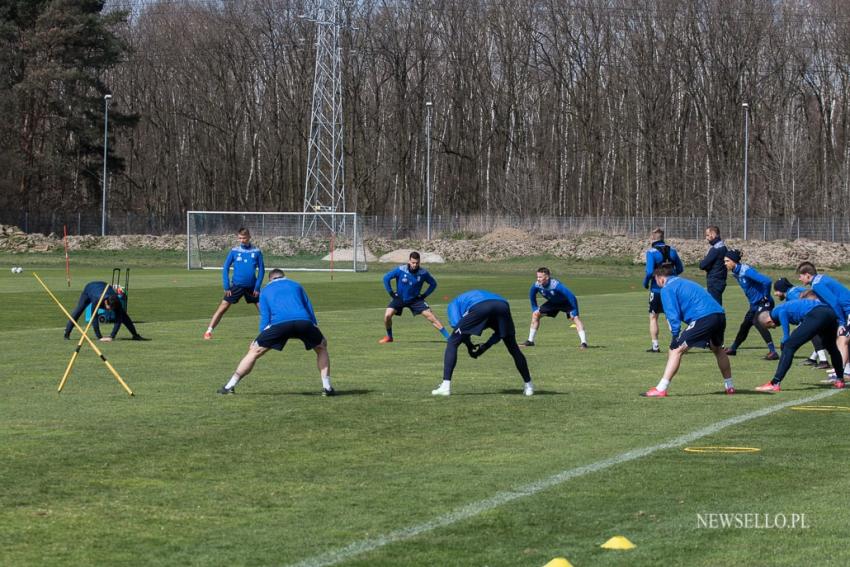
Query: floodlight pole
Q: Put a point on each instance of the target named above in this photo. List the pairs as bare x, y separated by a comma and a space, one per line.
106, 99
746, 162
428, 105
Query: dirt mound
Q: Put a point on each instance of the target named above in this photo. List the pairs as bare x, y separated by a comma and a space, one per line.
347, 255
499, 245
507, 235
402, 255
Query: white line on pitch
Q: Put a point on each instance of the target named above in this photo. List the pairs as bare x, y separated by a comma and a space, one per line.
475, 508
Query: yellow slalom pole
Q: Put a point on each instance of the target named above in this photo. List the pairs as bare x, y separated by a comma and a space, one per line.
80, 343
85, 336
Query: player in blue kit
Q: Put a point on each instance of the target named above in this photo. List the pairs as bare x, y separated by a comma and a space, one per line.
784, 291
285, 313
408, 293
757, 289
470, 313
558, 299
111, 301
814, 319
659, 254
831, 292
248, 273
687, 302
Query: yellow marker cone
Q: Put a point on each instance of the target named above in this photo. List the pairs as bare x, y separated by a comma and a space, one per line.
618, 542
559, 562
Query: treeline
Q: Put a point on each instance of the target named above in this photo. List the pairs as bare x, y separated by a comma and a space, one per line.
553, 107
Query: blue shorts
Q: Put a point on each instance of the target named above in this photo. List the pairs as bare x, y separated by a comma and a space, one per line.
416, 305
655, 305
276, 336
552, 308
491, 314
237, 291
703, 332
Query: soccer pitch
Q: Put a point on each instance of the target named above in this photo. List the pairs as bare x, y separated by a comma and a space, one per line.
384, 473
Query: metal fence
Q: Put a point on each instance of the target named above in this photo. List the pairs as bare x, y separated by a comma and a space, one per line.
463, 226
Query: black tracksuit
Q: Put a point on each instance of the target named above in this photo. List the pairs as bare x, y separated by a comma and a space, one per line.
715, 270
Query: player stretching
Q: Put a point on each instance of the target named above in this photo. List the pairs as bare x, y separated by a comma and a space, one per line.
687, 302
469, 314
285, 313
408, 293
248, 272
558, 298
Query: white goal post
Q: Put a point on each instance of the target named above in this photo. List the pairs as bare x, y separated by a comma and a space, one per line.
320, 241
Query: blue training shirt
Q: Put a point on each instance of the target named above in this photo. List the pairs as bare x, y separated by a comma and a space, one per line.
756, 286
655, 258
248, 267
460, 305
284, 300
794, 293
409, 283
792, 313
553, 291
831, 292
685, 301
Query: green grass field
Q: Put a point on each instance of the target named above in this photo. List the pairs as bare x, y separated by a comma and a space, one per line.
384, 474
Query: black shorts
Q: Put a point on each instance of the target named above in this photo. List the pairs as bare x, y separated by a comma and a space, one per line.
552, 308
655, 305
491, 314
763, 305
416, 306
703, 332
237, 291
276, 336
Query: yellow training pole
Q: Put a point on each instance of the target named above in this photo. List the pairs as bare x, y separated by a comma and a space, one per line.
85, 336
80, 343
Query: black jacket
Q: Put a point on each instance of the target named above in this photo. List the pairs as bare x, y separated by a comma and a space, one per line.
715, 270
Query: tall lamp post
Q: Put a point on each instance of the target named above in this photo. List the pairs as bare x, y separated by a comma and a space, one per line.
428, 105
106, 99
746, 161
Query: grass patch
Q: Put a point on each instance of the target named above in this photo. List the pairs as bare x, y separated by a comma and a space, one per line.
278, 474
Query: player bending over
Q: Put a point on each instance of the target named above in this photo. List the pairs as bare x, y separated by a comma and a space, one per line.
814, 319
469, 314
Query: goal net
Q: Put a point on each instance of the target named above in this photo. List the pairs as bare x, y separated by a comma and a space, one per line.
320, 241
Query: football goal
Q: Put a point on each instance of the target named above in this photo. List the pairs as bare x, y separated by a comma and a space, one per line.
320, 241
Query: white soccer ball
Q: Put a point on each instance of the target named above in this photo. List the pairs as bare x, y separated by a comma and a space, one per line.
17, 270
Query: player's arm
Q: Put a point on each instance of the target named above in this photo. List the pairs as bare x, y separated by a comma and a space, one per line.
265, 311
786, 327
650, 267
388, 277
532, 297
825, 294
707, 262
454, 313
764, 281
225, 271
308, 306
261, 273
672, 311
572, 299
677, 263
432, 285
